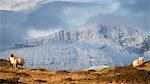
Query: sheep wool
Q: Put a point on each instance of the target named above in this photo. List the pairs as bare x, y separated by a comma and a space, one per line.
138, 62
20, 61
13, 60
17, 61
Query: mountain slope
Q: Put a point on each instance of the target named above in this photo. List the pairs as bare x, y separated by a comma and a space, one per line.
81, 48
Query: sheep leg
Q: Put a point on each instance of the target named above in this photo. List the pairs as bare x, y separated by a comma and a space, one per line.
14, 65
21, 65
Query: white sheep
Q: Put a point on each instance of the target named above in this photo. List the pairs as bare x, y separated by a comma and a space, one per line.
138, 62
16, 60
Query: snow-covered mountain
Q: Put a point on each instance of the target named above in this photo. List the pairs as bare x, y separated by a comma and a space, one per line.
81, 47
124, 36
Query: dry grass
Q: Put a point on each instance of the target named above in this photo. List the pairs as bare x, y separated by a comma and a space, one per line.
127, 74
7, 75
105, 70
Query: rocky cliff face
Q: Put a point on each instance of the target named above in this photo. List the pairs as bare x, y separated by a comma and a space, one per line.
81, 48
124, 36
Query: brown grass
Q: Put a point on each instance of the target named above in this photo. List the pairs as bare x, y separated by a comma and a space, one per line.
127, 74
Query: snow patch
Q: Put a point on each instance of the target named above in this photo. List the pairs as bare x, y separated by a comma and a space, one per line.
96, 67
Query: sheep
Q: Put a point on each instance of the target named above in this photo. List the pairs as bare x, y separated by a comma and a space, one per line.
138, 62
16, 60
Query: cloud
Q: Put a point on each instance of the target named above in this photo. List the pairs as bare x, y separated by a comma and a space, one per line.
0, 38
89, 1
10, 35
10, 25
66, 14
80, 15
115, 7
135, 6
134, 13
139, 10
61, 14
19, 5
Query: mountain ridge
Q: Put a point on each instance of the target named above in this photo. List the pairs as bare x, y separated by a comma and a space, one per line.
82, 48
84, 33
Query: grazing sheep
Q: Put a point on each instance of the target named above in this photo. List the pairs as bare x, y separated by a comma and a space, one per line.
138, 62
16, 60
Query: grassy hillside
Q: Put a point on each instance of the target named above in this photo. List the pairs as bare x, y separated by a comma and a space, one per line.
126, 74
